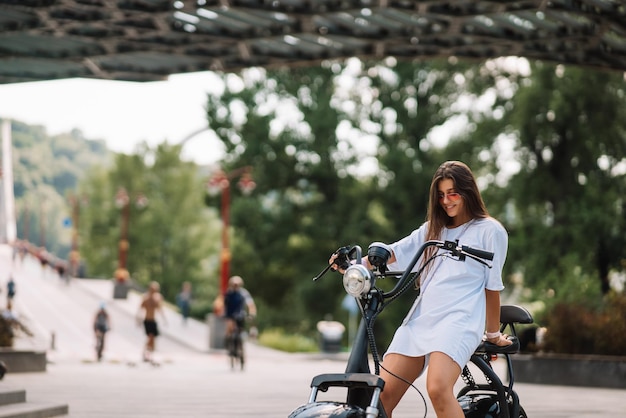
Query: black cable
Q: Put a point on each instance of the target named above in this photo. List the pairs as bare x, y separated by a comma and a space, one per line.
372, 340
411, 385
370, 330
414, 277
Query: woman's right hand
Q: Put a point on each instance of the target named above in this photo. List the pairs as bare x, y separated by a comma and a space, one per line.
501, 340
333, 265
342, 269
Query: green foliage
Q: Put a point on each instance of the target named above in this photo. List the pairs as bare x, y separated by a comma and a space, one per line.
278, 339
567, 282
315, 196
568, 199
314, 193
201, 306
45, 169
563, 197
344, 154
577, 328
171, 240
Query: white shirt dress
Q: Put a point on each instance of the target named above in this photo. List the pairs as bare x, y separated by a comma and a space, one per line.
450, 314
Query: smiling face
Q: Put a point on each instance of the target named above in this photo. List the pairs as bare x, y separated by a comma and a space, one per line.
452, 202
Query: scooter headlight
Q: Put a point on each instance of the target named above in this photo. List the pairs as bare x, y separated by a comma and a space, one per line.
357, 280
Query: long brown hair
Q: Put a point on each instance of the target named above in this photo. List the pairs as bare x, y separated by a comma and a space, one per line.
465, 185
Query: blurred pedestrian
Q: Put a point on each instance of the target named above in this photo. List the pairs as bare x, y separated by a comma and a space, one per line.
10, 293
101, 325
183, 299
151, 303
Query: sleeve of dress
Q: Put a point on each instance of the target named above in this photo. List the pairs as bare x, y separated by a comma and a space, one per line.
404, 249
497, 240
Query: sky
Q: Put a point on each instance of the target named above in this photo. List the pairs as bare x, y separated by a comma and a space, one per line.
123, 114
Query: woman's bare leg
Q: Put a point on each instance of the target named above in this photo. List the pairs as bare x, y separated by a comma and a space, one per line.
443, 373
407, 368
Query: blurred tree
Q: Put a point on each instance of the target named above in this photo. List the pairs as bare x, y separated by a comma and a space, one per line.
45, 168
342, 154
171, 240
284, 230
567, 201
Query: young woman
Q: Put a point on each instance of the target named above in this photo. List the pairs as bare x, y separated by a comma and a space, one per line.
458, 300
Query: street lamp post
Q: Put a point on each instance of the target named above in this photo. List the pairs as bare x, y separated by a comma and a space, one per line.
75, 203
220, 183
26, 223
122, 201
42, 225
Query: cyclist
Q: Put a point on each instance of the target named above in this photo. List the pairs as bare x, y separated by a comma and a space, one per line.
101, 325
237, 301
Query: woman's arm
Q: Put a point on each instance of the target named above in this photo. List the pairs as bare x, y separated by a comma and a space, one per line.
493, 319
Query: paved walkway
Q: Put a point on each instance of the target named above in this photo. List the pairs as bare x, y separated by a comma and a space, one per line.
192, 380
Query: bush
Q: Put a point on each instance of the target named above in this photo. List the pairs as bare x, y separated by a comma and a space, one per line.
200, 309
10, 327
6, 332
292, 343
576, 329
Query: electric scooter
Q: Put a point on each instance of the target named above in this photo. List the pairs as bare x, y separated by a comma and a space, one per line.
478, 400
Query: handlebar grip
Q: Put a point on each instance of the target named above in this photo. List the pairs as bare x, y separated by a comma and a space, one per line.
486, 255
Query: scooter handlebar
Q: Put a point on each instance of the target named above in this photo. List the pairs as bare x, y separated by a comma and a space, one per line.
486, 255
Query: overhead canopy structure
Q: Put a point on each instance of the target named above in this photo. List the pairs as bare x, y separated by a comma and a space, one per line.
145, 40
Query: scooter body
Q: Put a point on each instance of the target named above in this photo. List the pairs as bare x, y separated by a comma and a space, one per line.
364, 387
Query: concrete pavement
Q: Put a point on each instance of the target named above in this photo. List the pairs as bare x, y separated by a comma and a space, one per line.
192, 380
